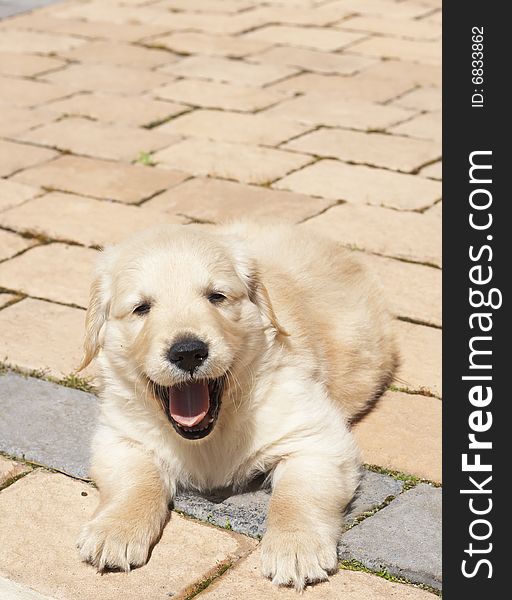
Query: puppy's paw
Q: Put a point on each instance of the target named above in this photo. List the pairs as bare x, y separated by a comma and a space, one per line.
297, 558
109, 542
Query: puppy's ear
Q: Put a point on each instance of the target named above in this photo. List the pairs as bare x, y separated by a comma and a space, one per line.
97, 313
258, 294
248, 272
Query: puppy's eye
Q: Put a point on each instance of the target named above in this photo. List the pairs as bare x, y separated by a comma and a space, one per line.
142, 309
216, 297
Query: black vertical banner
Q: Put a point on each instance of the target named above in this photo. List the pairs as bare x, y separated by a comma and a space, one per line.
477, 242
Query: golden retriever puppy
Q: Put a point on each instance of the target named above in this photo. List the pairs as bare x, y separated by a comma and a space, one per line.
226, 352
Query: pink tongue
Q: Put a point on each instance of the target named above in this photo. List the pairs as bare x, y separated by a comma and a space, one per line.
189, 404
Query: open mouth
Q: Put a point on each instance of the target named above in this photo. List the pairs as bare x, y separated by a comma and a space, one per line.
192, 408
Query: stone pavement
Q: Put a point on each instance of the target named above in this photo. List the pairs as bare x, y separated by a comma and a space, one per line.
118, 114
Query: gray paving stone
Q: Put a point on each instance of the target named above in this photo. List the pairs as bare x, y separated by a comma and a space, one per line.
245, 512
46, 423
373, 490
15, 7
404, 538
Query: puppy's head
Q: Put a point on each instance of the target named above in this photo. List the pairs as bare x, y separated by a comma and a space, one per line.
180, 314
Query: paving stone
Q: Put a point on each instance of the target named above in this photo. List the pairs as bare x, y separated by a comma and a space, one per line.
6, 299
53, 429
313, 60
29, 92
27, 65
362, 185
13, 193
36, 41
210, 94
433, 171
412, 291
227, 70
383, 8
245, 581
357, 88
301, 14
10, 469
404, 538
420, 349
14, 591
216, 23
11, 244
379, 150
14, 120
226, 6
108, 78
41, 552
128, 110
101, 178
119, 54
334, 112
54, 349
248, 164
426, 126
190, 42
435, 4
415, 51
425, 99
374, 489
436, 18
436, 210
233, 127
406, 235
7, 10
216, 200
14, 157
56, 272
97, 139
110, 12
406, 28
404, 71
24, 5
83, 220
245, 512
171, 21
129, 32
317, 38
403, 432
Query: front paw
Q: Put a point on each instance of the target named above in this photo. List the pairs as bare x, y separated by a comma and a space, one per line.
297, 558
111, 542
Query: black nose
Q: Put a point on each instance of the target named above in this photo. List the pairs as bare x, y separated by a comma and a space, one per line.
188, 354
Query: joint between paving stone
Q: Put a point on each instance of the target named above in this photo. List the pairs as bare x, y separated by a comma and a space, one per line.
354, 565
422, 391
12, 480
196, 588
41, 298
428, 14
427, 208
71, 380
409, 481
18, 296
418, 322
404, 387
321, 212
157, 122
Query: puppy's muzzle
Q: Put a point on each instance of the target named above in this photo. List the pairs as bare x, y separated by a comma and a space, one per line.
188, 354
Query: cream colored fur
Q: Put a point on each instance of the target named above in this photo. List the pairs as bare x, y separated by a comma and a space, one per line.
307, 345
